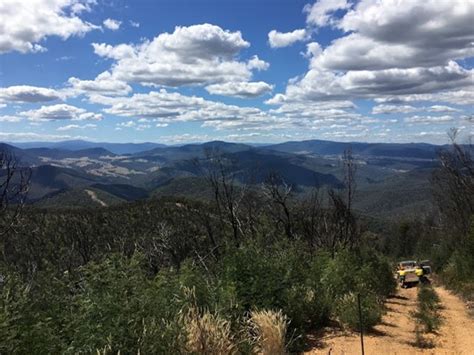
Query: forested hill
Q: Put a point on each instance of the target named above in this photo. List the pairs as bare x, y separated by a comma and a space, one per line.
62, 172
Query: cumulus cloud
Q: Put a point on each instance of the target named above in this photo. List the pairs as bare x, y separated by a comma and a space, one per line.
464, 96
103, 84
439, 28
195, 55
33, 136
26, 23
321, 12
163, 107
429, 119
278, 39
389, 109
318, 115
172, 106
112, 24
75, 126
389, 50
240, 89
60, 112
323, 84
26, 93
10, 118
442, 108
136, 126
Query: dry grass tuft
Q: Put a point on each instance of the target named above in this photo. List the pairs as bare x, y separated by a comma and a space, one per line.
207, 333
269, 328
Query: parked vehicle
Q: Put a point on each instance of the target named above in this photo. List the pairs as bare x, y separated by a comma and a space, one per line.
411, 273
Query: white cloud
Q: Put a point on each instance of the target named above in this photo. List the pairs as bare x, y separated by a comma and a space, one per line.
323, 84
136, 126
389, 50
60, 112
426, 25
313, 49
134, 24
32, 136
256, 63
195, 55
464, 96
278, 39
321, 12
75, 126
103, 84
172, 106
112, 24
26, 93
163, 107
25, 24
389, 109
240, 89
10, 118
429, 119
442, 108
318, 115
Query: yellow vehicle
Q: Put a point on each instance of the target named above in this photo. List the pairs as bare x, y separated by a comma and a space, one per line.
410, 272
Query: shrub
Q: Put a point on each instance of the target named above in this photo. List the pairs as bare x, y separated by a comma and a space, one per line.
427, 313
269, 329
347, 311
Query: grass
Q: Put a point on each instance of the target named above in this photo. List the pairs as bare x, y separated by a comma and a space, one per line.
207, 333
427, 313
270, 329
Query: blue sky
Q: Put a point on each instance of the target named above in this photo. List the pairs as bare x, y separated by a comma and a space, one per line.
177, 71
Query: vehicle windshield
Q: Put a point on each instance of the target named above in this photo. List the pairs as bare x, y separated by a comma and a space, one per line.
407, 264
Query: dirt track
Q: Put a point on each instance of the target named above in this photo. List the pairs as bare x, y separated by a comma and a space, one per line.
396, 333
93, 196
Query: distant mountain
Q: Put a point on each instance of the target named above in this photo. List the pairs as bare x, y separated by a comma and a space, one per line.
24, 157
190, 151
320, 147
255, 166
392, 179
116, 148
56, 153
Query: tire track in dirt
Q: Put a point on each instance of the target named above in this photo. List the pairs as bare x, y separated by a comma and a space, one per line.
396, 334
457, 331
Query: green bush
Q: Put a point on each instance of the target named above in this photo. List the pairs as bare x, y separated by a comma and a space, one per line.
115, 303
32, 314
347, 311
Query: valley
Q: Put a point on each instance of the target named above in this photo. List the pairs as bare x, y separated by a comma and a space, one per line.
392, 179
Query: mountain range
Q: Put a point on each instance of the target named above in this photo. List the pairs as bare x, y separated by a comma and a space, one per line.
392, 179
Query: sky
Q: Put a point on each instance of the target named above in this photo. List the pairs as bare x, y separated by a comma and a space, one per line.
256, 71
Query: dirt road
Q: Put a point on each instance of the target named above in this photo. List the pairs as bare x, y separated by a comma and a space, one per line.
95, 198
396, 333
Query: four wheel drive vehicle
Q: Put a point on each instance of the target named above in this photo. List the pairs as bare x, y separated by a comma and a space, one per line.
410, 273
426, 266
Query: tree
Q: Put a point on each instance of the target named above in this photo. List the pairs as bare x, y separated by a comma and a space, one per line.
14, 186
220, 173
453, 185
279, 194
